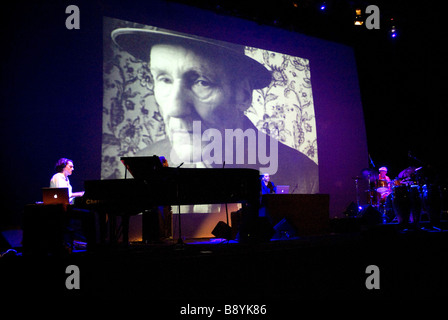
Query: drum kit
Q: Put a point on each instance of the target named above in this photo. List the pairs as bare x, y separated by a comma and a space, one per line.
404, 199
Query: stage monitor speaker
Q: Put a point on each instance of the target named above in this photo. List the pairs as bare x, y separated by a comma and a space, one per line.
371, 216
222, 230
284, 230
10, 239
352, 210
261, 230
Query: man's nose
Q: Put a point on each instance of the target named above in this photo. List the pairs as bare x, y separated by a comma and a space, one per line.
180, 101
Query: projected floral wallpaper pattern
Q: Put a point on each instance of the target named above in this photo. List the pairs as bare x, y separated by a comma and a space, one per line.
131, 118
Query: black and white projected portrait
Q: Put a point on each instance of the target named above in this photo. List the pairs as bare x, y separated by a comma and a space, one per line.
204, 103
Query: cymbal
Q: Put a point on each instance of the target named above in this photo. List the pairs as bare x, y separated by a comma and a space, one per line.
368, 172
406, 172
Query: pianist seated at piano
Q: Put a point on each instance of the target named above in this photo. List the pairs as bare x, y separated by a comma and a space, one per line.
202, 89
64, 167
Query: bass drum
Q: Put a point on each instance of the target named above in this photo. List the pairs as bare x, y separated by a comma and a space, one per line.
389, 208
401, 204
415, 198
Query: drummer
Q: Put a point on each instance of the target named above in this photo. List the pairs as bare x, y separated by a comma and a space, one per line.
383, 184
383, 175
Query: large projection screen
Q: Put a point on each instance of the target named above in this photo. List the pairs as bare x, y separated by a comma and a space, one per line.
206, 103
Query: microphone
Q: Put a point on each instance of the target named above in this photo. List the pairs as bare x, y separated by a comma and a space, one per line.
371, 161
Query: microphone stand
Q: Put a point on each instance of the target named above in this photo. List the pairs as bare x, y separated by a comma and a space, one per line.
180, 242
227, 211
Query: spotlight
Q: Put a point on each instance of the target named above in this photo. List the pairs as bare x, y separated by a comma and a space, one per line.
358, 18
321, 5
393, 32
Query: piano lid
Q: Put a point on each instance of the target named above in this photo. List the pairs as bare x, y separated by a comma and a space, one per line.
142, 167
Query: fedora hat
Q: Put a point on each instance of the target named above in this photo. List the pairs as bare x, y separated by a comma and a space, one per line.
138, 42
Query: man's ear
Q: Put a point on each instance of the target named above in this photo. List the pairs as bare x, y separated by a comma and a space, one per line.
243, 95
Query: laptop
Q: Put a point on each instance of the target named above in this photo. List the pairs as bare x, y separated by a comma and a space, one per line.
282, 189
55, 195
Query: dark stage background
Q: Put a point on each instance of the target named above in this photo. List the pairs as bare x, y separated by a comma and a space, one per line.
52, 90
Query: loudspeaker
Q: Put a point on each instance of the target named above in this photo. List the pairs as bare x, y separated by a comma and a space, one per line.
222, 230
352, 210
246, 227
10, 239
260, 230
371, 216
284, 230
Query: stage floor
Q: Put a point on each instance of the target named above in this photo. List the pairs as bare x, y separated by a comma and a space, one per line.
408, 264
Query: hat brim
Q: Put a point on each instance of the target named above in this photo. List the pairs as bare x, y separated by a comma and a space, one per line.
138, 43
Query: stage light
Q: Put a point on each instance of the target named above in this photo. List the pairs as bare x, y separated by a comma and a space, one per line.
358, 18
322, 6
393, 32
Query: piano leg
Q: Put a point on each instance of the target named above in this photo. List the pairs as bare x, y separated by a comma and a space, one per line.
249, 219
113, 234
114, 229
102, 217
150, 225
125, 228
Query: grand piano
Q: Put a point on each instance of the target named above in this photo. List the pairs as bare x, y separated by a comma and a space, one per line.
154, 185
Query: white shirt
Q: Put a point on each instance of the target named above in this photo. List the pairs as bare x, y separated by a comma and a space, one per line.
60, 181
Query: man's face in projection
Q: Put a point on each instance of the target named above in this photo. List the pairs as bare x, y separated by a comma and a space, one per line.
190, 86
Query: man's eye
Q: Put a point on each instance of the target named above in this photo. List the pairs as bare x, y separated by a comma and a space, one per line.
203, 88
164, 79
203, 83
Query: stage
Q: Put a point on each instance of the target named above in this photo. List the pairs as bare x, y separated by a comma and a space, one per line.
337, 265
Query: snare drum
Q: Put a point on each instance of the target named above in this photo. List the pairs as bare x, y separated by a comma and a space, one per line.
382, 186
